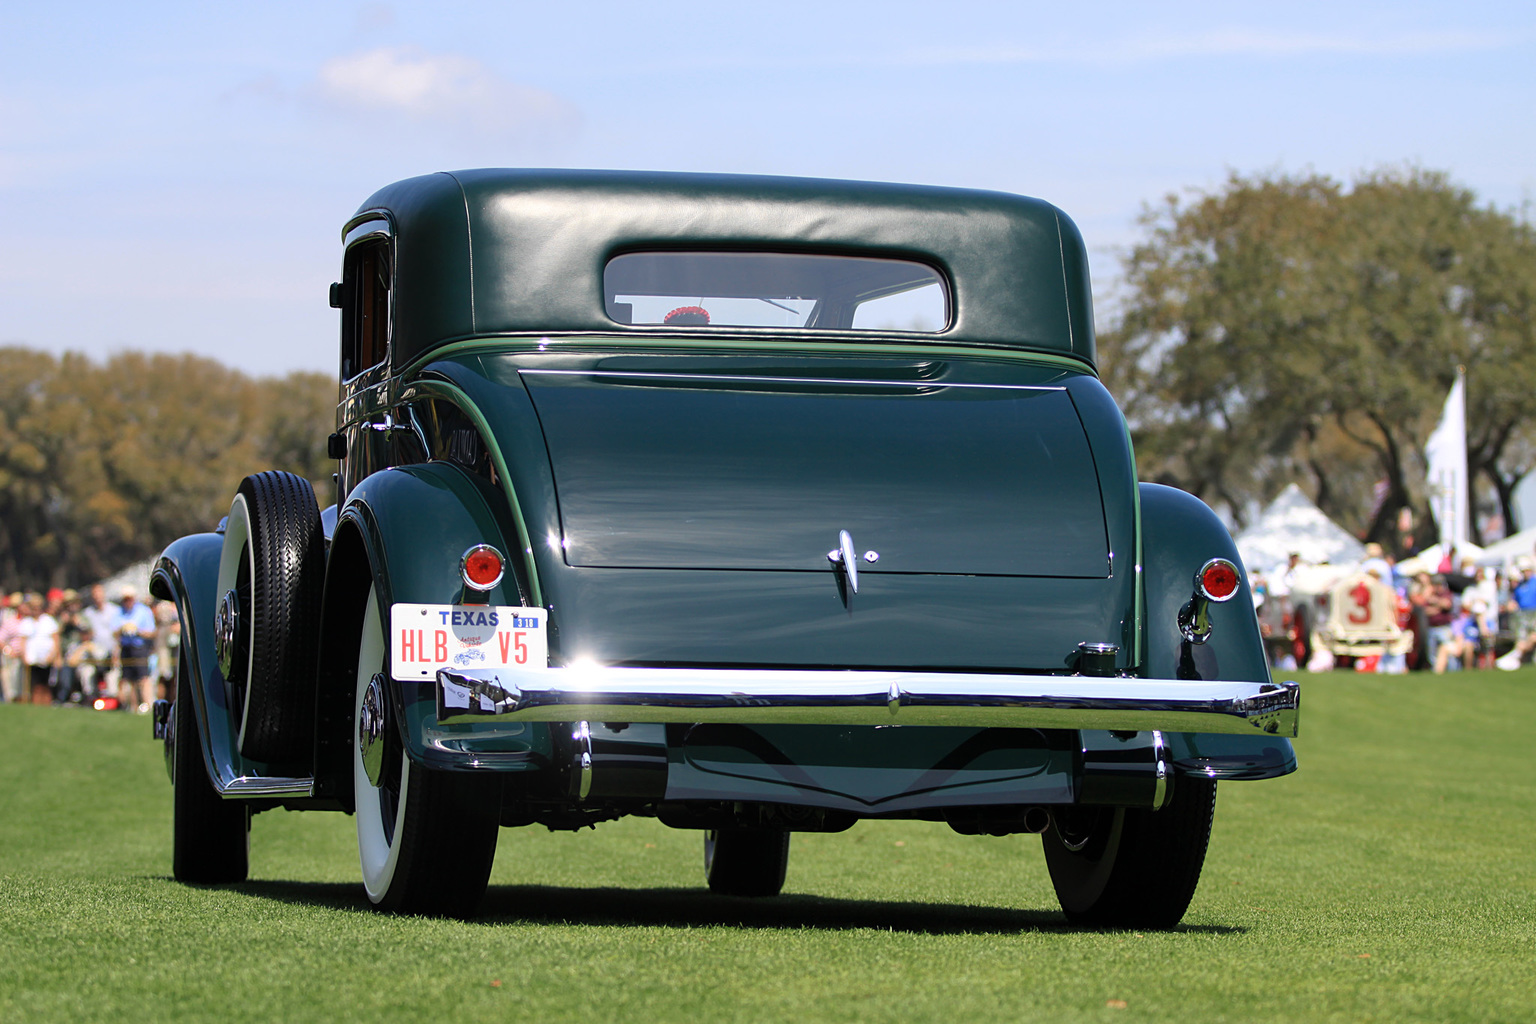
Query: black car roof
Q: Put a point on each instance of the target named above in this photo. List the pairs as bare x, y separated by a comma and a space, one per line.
514, 251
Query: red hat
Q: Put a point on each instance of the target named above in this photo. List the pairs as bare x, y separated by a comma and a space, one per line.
687, 316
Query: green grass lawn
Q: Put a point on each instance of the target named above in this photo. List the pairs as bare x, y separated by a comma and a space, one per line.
1390, 879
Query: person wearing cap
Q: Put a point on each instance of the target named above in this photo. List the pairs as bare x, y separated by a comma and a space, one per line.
135, 637
1375, 561
1522, 608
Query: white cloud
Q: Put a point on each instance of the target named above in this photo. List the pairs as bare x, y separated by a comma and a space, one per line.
439, 87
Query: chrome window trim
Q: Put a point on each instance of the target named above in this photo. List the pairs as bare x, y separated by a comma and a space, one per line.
370, 225
926, 385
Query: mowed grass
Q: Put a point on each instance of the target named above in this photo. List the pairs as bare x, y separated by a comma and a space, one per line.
1391, 879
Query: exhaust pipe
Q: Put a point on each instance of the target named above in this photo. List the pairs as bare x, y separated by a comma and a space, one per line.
1036, 820
998, 821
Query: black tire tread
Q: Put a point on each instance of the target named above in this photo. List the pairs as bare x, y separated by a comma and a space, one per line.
1157, 867
210, 841
748, 862
447, 844
288, 549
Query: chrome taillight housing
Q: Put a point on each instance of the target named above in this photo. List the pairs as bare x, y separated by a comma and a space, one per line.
1218, 580
482, 567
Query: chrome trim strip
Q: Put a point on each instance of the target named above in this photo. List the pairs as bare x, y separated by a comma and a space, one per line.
787, 380
1163, 770
244, 786
829, 696
582, 737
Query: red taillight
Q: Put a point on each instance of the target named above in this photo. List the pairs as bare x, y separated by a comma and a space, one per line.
1219, 579
482, 567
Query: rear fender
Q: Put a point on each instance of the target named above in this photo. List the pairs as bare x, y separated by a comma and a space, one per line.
187, 573
1179, 534
404, 531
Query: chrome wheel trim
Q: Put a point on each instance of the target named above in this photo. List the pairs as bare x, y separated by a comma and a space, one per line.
238, 548
226, 631
378, 846
370, 728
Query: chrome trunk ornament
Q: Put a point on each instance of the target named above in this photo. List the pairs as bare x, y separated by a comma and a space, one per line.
845, 556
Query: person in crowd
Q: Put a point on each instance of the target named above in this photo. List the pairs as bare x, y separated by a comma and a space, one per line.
72, 634
1481, 598
1462, 644
1522, 608
40, 647
1282, 578
1439, 610
135, 643
167, 648
10, 648
1388, 662
102, 619
1420, 588
1375, 562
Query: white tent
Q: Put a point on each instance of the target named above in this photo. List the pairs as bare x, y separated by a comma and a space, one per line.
135, 576
1293, 523
1507, 550
1429, 559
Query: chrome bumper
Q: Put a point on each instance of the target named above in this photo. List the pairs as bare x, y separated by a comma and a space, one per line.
832, 697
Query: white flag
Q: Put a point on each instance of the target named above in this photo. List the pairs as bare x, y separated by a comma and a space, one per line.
1446, 455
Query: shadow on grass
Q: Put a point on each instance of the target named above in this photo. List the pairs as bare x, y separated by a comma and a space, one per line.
694, 908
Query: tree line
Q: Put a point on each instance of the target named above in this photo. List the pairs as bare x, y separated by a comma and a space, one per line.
1292, 328
104, 463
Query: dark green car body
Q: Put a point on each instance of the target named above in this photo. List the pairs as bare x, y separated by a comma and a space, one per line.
668, 496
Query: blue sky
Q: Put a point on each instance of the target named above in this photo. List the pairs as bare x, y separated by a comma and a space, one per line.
173, 176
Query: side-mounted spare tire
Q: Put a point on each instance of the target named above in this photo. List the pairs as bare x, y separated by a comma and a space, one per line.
266, 625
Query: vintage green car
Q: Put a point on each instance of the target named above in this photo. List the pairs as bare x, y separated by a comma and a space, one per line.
756, 505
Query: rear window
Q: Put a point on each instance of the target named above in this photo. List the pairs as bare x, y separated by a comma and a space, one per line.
780, 290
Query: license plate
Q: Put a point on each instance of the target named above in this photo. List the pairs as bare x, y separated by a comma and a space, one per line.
427, 637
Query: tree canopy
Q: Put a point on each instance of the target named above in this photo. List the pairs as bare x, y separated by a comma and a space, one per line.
103, 464
1290, 328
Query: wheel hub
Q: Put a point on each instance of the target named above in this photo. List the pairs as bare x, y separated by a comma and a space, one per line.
370, 729
229, 636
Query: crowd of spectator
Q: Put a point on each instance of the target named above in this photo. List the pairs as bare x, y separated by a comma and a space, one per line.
1461, 615
62, 648
1458, 613
65, 648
